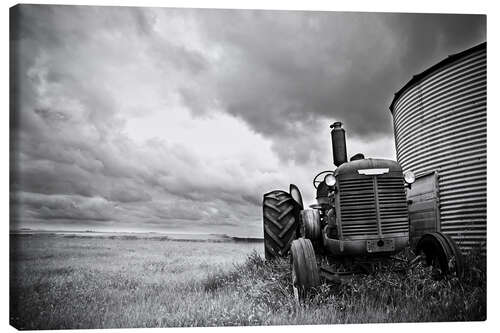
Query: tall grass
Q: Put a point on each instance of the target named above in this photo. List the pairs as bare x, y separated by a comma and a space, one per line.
384, 296
88, 283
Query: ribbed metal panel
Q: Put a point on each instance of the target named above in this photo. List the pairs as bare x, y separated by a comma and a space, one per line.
393, 208
357, 207
440, 124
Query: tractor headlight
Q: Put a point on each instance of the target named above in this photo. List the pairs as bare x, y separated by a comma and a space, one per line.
409, 177
330, 179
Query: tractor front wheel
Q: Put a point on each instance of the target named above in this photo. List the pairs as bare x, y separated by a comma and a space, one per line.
305, 275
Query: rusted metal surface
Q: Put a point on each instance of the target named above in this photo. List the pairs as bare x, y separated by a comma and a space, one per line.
440, 125
423, 206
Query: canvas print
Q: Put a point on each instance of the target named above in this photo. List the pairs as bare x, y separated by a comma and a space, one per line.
174, 167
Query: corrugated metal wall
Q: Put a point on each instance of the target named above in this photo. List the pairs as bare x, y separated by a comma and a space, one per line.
440, 124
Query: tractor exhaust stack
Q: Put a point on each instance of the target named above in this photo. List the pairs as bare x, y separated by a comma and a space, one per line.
338, 144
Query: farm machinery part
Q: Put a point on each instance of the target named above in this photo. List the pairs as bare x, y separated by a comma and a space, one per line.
360, 220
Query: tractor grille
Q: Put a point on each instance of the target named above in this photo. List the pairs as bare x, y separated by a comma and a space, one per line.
393, 208
358, 205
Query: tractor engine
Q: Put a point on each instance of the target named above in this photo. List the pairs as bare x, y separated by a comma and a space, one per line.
368, 210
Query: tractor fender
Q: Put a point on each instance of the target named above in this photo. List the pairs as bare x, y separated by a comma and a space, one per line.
296, 196
441, 250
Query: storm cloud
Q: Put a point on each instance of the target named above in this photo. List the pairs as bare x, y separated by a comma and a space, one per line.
180, 119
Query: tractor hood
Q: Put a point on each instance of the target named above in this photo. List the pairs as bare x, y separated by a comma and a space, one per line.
367, 165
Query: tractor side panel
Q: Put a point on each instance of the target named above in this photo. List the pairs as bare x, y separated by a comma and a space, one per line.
423, 206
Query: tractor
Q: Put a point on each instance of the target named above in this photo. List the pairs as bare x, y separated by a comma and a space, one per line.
359, 220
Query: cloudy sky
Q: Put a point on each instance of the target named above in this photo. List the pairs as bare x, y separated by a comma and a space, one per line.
157, 119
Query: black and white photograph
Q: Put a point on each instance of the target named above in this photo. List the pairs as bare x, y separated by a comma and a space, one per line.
208, 167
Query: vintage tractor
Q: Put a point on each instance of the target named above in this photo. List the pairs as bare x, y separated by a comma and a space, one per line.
360, 220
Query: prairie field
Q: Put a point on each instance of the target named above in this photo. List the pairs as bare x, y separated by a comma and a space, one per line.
63, 282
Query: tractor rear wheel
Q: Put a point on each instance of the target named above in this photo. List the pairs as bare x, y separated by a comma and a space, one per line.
280, 213
305, 275
441, 252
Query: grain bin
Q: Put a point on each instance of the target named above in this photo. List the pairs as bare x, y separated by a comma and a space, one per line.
440, 133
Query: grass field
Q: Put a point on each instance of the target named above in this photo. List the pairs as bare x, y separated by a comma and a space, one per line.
83, 282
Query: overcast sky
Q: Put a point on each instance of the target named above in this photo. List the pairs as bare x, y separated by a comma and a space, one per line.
157, 119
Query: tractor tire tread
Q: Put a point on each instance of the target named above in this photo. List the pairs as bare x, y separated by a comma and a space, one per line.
280, 219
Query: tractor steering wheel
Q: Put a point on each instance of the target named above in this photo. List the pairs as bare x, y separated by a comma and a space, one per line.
317, 180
